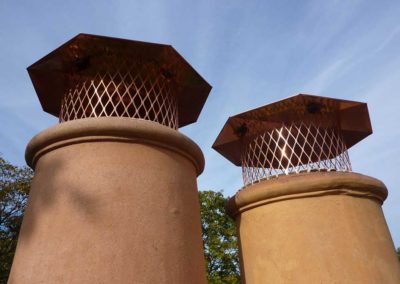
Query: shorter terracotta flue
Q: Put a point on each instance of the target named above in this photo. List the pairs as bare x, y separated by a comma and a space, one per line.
315, 228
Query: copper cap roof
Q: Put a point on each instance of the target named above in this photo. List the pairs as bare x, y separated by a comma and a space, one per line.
51, 75
350, 117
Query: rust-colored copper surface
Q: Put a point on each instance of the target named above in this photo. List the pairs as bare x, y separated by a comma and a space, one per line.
341, 119
94, 75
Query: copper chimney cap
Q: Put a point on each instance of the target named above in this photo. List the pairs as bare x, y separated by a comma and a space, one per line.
53, 75
350, 117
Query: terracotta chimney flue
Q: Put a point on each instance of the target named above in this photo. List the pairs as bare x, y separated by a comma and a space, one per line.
303, 216
114, 197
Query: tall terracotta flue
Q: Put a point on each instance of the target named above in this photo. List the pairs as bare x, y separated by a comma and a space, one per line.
114, 197
303, 216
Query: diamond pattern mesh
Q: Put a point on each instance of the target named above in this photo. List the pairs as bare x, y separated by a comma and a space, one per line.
298, 147
123, 89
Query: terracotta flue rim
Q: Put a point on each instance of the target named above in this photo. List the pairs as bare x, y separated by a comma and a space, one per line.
306, 185
115, 129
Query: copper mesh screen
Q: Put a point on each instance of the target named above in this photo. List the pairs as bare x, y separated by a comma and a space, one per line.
294, 148
115, 87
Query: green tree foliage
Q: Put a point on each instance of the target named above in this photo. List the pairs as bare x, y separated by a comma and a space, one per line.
398, 253
219, 239
14, 188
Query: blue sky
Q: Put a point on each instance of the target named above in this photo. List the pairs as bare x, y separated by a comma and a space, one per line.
251, 52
